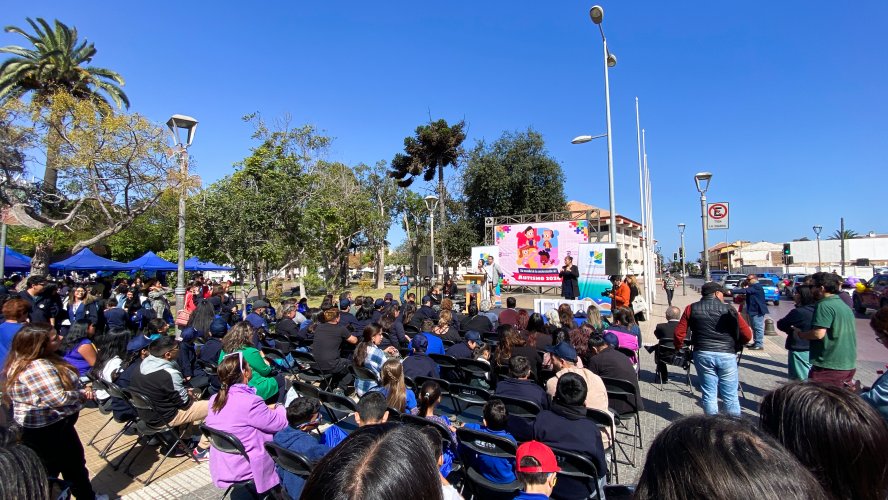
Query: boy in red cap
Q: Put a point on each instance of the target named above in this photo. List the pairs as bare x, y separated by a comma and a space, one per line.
536, 468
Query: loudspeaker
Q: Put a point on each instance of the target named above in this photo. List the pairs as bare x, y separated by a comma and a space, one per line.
425, 266
612, 264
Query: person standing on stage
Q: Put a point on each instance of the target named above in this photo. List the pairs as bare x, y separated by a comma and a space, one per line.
493, 274
569, 274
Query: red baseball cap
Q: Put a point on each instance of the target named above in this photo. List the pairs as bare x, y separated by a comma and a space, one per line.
542, 453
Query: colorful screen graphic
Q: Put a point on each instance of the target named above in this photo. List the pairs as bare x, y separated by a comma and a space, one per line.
593, 279
532, 254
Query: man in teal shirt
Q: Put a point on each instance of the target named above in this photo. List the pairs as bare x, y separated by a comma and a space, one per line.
833, 337
404, 283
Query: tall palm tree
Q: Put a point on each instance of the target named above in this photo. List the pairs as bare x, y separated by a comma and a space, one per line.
57, 62
849, 235
434, 147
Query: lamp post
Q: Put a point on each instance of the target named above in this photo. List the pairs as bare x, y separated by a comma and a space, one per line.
817, 230
681, 231
702, 180
189, 125
431, 202
596, 13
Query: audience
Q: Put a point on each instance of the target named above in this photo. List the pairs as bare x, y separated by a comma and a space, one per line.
834, 433
564, 359
518, 384
368, 355
15, 314
494, 469
606, 361
513, 343
665, 333
437, 447
566, 427
476, 321
394, 389
465, 349
509, 315
429, 397
537, 470
80, 352
159, 379
46, 397
327, 348
372, 409
239, 339
434, 344
237, 410
721, 457
382, 462
419, 364
302, 416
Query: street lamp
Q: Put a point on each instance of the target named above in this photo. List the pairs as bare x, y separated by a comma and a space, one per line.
681, 231
817, 230
189, 125
702, 180
431, 203
596, 13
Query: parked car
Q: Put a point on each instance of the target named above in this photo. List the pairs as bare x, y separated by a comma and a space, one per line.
732, 281
718, 276
772, 294
873, 296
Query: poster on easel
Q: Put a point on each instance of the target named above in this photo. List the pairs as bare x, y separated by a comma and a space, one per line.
593, 281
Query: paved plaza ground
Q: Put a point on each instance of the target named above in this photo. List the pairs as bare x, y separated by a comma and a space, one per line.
760, 371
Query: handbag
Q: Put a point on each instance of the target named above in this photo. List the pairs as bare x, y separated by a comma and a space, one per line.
182, 317
681, 358
639, 306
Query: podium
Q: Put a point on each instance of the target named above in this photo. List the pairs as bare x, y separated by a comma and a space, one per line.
474, 282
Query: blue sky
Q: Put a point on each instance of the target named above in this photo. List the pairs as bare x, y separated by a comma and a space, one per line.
783, 101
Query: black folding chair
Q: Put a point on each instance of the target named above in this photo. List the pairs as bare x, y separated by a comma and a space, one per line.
445, 392
309, 371
625, 391
447, 364
145, 408
739, 382
475, 369
278, 359
467, 397
475, 443
223, 442
608, 424
366, 374
519, 407
288, 460
443, 431
104, 407
580, 470
337, 409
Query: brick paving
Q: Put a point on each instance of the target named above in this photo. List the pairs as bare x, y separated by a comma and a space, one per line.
760, 372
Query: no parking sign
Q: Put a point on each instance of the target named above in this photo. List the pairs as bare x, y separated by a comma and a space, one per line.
718, 216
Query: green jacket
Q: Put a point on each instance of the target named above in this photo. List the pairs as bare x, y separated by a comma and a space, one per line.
266, 386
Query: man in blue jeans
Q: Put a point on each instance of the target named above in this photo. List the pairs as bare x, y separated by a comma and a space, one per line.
756, 308
718, 332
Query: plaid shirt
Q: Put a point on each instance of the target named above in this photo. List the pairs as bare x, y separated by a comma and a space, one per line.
38, 397
669, 283
375, 359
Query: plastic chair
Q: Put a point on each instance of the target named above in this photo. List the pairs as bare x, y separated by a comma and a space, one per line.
473, 443
579, 468
289, 460
308, 370
607, 423
519, 407
364, 373
336, 408
625, 391
115, 393
475, 369
467, 397
223, 442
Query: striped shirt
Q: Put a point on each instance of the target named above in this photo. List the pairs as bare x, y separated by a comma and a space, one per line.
39, 398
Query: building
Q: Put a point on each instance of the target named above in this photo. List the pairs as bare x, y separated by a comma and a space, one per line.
628, 235
867, 251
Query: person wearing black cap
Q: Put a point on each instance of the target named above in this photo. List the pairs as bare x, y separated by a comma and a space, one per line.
256, 316
718, 334
419, 364
466, 348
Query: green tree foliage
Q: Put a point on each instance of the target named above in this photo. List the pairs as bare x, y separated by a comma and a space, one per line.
383, 193
56, 61
115, 168
849, 234
514, 175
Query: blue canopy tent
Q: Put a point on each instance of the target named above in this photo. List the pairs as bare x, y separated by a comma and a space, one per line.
195, 264
85, 260
150, 262
16, 262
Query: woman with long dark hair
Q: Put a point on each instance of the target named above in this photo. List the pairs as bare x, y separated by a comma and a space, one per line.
240, 339
368, 355
798, 363
112, 353
78, 347
46, 396
236, 409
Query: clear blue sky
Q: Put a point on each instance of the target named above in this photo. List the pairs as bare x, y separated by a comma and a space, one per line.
783, 101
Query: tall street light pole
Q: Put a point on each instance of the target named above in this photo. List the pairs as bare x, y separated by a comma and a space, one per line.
817, 230
681, 231
189, 125
702, 180
431, 202
610, 60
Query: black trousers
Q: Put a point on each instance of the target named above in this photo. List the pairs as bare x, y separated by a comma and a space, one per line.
61, 452
669, 294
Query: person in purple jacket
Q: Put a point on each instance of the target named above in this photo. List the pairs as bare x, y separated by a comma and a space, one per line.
236, 409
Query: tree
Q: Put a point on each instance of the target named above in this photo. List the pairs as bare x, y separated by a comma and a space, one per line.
384, 194
514, 175
432, 148
415, 221
56, 63
848, 235
115, 168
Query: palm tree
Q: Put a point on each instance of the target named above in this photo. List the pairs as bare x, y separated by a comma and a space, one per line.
434, 147
849, 235
56, 63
